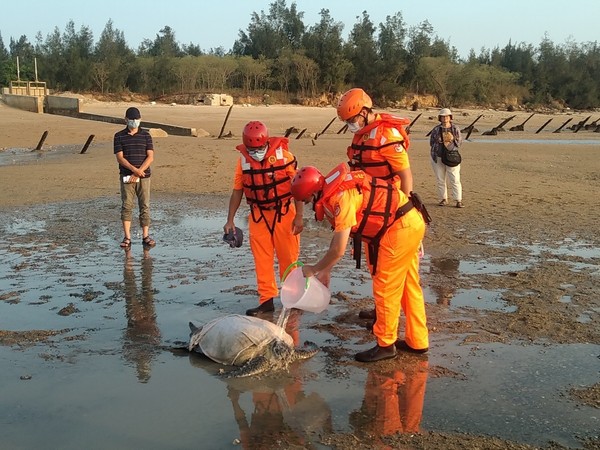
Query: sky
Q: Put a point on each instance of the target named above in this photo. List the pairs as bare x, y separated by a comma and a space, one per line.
466, 24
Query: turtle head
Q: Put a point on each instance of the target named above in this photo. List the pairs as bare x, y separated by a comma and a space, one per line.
308, 350
194, 337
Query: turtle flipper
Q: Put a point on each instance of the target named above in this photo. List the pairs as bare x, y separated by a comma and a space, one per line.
254, 366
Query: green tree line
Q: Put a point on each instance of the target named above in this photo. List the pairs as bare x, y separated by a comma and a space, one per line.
278, 52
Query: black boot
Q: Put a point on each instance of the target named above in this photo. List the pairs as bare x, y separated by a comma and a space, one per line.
367, 314
403, 346
377, 353
262, 308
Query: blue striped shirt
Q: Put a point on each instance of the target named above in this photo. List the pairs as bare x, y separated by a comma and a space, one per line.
134, 148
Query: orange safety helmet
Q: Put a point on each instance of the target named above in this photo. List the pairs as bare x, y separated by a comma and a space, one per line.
307, 182
352, 102
255, 134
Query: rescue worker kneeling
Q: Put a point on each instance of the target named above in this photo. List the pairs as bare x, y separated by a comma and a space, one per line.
382, 216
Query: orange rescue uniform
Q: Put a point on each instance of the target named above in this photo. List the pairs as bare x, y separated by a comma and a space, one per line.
396, 278
380, 148
267, 185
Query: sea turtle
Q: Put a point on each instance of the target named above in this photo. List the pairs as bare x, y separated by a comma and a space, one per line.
254, 345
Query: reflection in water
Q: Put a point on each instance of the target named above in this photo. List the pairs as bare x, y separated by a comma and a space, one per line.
281, 410
142, 335
447, 270
393, 401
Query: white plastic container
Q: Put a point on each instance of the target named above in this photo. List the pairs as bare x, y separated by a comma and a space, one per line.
308, 294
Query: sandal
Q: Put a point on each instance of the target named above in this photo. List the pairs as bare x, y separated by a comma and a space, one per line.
148, 242
125, 243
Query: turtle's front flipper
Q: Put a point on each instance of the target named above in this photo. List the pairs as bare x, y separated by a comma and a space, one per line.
254, 366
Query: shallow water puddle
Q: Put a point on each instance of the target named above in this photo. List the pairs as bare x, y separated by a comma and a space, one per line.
17, 155
112, 375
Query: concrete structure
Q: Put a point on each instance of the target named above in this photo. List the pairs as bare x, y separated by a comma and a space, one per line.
55, 104
33, 88
25, 102
70, 106
217, 100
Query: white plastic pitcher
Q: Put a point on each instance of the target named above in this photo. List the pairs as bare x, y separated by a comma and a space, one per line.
308, 294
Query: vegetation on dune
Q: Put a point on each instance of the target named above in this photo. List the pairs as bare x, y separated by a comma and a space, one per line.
278, 54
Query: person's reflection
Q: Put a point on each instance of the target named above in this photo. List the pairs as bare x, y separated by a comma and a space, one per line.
281, 408
393, 401
142, 335
444, 271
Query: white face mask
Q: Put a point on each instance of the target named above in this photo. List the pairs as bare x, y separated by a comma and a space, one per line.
354, 127
259, 155
132, 124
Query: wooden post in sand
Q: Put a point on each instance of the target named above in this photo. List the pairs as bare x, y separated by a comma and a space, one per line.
325, 129
543, 126
521, 126
300, 134
581, 124
87, 144
468, 129
562, 126
225, 122
42, 139
592, 125
412, 123
500, 126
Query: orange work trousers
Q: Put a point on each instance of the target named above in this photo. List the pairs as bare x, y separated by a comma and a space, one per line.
396, 283
265, 245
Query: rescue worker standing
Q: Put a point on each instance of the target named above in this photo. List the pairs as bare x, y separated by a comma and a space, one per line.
263, 175
379, 145
380, 142
384, 217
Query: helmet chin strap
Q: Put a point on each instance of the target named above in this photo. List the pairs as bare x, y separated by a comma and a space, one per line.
366, 117
318, 206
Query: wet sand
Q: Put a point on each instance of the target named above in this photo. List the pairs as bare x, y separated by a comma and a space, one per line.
511, 284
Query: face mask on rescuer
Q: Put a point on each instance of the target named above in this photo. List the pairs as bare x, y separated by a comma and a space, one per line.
354, 127
259, 155
132, 124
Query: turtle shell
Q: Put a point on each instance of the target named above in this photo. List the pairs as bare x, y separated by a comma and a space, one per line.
235, 339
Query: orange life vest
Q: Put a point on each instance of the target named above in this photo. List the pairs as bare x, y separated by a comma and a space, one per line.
266, 184
382, 205
364, 152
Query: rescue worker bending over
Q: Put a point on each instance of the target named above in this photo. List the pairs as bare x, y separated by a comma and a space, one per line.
384, 217
263, 174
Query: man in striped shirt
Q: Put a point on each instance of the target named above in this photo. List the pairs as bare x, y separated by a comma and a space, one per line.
134, 150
